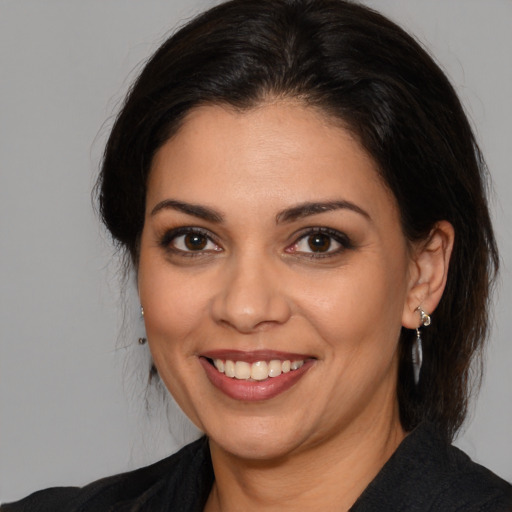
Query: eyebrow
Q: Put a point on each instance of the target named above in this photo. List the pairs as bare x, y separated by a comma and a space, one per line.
202, 212
313, 208
288, 215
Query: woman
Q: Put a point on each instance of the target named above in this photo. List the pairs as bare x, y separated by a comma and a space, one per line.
291, 194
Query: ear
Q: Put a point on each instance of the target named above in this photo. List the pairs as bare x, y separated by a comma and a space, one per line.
428, 273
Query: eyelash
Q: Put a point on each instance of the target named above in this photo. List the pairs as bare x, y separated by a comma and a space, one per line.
333, 234
170, 237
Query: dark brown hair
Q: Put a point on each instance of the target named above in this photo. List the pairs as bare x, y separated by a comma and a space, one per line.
362, 69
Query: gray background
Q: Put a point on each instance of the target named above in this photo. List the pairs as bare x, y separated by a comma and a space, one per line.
72, 395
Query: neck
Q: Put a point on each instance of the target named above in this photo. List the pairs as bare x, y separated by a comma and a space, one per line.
329, 476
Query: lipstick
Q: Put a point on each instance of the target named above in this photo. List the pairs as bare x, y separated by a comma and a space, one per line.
220, 366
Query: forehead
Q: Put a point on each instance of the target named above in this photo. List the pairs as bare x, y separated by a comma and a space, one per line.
277, 152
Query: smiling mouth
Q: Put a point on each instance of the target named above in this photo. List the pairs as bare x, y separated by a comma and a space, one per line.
256, 371
255, 376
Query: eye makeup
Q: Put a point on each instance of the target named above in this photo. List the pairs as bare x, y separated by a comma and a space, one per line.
315, 242
320, 242
189, 241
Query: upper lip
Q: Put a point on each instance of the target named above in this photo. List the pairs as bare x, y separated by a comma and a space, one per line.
252, 356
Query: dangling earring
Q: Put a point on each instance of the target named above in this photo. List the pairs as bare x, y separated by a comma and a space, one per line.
142, 341
417, 349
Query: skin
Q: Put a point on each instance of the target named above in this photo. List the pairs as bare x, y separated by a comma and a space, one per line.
257, 285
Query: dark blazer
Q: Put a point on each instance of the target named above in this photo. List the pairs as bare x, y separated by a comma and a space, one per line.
424, 474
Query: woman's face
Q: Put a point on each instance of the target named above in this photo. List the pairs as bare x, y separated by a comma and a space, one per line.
271, 246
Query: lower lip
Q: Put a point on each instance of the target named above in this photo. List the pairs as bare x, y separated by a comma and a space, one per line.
252, 391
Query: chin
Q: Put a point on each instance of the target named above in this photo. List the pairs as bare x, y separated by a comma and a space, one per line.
264, 441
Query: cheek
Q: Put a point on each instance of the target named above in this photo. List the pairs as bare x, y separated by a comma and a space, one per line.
174, 306
359, 306
172, 300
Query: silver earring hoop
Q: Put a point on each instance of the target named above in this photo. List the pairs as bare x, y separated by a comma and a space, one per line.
417, 347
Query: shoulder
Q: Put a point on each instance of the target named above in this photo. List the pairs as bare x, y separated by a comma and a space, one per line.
469, 485
147, 488
428, 474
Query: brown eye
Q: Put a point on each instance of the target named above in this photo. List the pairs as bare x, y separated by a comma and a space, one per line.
195, 241
190, 240
319, 242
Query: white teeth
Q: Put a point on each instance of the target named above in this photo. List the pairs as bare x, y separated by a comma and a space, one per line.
242, 370
229, 368
260, 370
296, 365
275, 368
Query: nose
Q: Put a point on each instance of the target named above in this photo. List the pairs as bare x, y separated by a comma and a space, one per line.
251, 296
